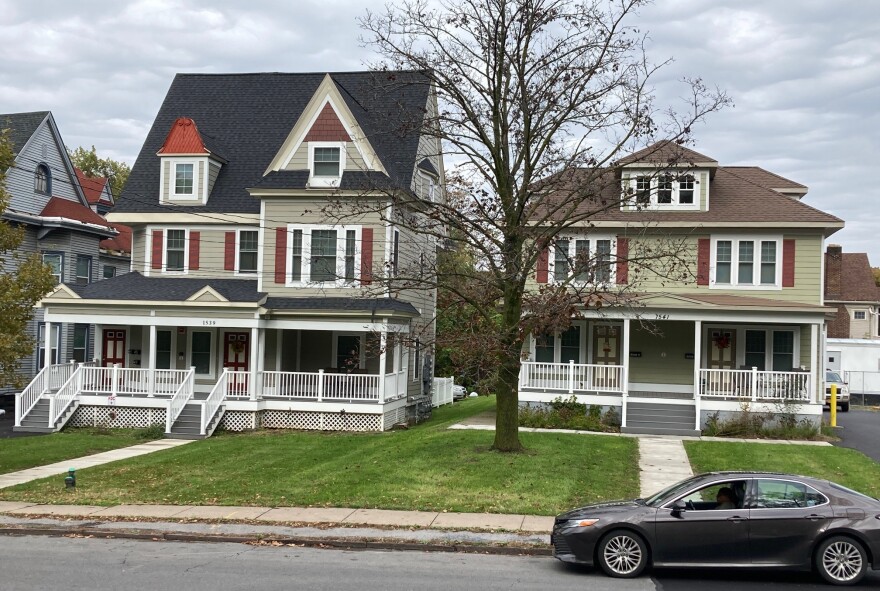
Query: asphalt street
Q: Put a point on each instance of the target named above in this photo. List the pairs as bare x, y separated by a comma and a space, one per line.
105, 564
860, 430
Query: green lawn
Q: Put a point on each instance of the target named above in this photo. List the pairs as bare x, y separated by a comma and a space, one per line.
18, 453
844, 466
427, 467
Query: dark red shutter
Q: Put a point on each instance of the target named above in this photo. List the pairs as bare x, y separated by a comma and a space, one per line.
622, 260
280, 255
788, 263
366, 256
543, 265
156, 262
194, 238
229, 252
704, 253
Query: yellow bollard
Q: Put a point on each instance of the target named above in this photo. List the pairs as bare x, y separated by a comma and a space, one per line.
833, 405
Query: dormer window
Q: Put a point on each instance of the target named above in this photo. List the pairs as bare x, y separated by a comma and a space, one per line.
183, 178
326, 163
686, 189
663, 191
42, 179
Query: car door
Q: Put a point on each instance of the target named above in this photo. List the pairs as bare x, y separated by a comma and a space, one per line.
700, 533
786, 516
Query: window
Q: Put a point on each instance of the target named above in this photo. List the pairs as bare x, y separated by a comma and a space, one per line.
747, 262
544, 348
686, 189
163, 349
643, 190
323, 254
718, 496
395, 254
560, 261
667, 191
432, 188
603, 261
109, 271
183, 178
348, 352
783, 350
80, 342
756, 349
296, 256
55, 260
41, 345
200, 351
326, 162
570, 345
859, 315
323, 257
175, 240
83, 269
575, 256
664, 189
785, 494
582, 260
349, 255
43, 179
247, 251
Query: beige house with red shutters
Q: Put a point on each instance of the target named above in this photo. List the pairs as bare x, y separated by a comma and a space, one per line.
249, 303
745, 324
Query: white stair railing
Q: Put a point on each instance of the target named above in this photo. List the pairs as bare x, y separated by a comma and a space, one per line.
213, 402
179, 400
64, 397
28, 398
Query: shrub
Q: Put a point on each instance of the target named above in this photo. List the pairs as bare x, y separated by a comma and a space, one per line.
569, 414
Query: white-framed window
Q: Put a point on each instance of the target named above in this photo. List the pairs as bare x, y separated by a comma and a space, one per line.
774, 348
184, 178
184, 174
663, 191
746, 262
43, 179
246, 252
201, 351
586, 259
323, 256
326, 163
109, 271
859, 315
175, 251
348, 354
395, 253
560, 347
41, 345
83, 269
164, 349
80, 342
55, 260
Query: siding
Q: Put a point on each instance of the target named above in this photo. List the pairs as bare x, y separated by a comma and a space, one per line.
300, 159
211, 251
662, 358
859, 329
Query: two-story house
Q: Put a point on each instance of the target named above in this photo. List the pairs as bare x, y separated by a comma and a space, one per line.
250, 303
115, 253
46, 199
744, 325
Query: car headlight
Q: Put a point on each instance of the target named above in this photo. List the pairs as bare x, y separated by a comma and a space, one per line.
582, 522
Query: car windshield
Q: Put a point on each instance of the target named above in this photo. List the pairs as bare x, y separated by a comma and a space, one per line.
832, 376
667, 493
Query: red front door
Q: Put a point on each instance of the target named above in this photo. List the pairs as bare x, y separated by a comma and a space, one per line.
236, 354
114, 347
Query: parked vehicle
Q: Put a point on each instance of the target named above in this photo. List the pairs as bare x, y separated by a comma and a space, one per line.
833, 377
734, 519
459, 392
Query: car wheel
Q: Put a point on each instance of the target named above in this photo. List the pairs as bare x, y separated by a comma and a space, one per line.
841, 561
623, 554
844, 407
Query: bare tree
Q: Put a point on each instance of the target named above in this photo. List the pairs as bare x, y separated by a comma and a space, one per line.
537, 102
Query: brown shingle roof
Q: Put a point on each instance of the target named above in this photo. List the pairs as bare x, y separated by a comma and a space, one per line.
765, 178
62, 208
667, 152
856, 279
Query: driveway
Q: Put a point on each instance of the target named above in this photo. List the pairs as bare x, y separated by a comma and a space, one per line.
7, 420
861, 431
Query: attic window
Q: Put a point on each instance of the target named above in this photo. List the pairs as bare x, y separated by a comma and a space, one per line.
665, 191
326, 163
42, 179
183, 179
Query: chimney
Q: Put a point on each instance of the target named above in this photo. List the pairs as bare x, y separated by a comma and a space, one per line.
833, 268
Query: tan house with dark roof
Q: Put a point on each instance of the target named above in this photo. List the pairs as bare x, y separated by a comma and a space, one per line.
850, 287
744, 324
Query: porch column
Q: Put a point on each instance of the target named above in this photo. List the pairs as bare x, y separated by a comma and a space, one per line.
624, 372
255, 354
151, 362
383, 358
98, 342
815, 363
698, 347
47, 344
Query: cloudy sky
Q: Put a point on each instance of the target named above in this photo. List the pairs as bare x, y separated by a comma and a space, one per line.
804, 75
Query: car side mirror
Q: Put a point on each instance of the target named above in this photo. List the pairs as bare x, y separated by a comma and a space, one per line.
678, 507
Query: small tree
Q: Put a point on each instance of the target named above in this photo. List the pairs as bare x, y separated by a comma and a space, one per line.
24, 280
92, 165
537, 101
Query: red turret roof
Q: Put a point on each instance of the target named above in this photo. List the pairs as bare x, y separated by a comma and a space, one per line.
184, 138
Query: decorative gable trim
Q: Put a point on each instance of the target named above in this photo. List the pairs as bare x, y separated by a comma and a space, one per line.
207, 294
327, 127
63, 292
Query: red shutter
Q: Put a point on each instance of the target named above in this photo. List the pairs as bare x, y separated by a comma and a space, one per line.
788, 263
543, 265
229, 252
704, 253
194, 238
622, 260
156, 262
280, 255
366, 256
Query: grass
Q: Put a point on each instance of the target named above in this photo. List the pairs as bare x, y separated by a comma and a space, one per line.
844, 466
19, 453
427, 467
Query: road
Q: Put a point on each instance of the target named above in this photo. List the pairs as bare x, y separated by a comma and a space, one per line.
36, 562
861, 431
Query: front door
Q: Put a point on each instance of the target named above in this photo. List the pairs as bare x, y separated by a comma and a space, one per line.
114, 347
606, 351
236, 357
721, 354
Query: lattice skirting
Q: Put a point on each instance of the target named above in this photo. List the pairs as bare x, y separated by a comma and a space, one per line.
321, 421
116, 417
394, 417
239, 420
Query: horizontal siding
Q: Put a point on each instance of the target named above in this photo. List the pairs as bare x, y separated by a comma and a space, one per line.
662, 358
20, 179
211, 251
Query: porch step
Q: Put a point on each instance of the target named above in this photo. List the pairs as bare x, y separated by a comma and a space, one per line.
37, 420
189, 423
652, 418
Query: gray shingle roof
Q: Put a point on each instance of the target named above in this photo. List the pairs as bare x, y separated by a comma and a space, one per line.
134, 286
21, 126
368, 305
250, 116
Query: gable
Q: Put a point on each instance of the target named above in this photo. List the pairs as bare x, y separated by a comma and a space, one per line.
206, 294
327, 127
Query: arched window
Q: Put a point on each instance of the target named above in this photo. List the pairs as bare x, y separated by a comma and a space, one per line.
43, 179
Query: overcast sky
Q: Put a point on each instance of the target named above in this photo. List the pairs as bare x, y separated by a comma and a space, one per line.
804, 75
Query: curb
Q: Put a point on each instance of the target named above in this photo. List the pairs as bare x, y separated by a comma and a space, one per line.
330, 543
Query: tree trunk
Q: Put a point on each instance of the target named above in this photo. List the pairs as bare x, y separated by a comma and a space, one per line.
507, 407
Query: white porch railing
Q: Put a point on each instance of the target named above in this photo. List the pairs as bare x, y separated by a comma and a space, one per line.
66, 395
181, 397
758, 386
571, 377
213, 401
125, 381
51, 377
322, 386
441, 391
395, 385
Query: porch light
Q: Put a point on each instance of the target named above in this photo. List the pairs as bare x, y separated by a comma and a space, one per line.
70, 479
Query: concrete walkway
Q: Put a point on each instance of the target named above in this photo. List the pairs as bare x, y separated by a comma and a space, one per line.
22, 476
662, 462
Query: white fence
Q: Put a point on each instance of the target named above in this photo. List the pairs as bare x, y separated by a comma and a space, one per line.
125, 381
571, 377
755, 385
441, 392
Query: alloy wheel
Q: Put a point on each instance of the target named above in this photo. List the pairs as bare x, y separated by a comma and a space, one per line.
842, 561
622, 554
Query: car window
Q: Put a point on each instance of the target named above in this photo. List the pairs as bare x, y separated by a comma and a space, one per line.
669, 492
718, 495
832, 376
785, 494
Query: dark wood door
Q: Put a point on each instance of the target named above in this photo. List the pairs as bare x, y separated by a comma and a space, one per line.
236, 357
114, 347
